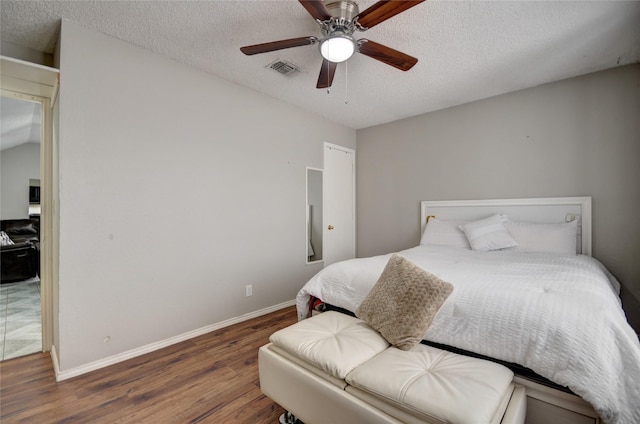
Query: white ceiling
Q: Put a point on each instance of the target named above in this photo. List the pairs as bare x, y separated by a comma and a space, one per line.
467, 50
19, 122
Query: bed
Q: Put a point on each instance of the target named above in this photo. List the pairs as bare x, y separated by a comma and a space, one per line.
543, 305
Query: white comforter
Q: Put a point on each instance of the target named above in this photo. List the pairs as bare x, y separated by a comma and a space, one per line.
557, 315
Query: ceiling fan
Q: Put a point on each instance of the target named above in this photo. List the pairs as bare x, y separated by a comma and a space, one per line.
338, 21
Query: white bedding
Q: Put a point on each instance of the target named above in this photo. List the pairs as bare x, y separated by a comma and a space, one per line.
558, 315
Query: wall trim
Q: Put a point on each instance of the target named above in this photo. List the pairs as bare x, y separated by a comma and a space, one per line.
120, 357
54, 359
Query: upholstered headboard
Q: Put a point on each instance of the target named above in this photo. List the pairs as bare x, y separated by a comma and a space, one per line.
540, 210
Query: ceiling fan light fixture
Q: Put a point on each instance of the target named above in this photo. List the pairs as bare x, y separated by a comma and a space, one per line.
338, 20
337, 47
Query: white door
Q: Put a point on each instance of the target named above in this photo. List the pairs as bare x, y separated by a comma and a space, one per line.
339, 233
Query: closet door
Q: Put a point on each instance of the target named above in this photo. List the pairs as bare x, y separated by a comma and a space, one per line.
339, 233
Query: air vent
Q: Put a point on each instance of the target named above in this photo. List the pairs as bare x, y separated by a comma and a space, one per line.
285, 68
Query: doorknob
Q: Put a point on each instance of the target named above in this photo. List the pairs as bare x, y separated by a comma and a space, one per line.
330, 227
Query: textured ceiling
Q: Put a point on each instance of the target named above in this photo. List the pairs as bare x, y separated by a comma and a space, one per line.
467, 50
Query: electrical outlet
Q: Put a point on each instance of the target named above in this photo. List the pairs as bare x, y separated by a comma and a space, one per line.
248, 290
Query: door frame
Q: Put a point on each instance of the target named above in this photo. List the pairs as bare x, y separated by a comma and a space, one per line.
38, 83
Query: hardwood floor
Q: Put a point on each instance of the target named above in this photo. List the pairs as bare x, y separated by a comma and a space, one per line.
209, 379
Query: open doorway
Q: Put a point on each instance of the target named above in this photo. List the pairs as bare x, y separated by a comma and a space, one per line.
20, 176
39, 84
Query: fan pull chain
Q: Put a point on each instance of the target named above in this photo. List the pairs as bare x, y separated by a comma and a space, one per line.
346, 82
328, 71
328, 77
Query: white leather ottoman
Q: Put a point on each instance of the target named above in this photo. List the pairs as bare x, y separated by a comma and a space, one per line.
332, 343
427, 384
333, 368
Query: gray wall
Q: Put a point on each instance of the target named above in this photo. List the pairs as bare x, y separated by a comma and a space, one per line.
577, 137
176, 190
17, 165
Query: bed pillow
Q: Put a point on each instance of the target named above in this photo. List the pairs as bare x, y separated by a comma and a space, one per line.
488, 234
444, 233
403, 302
555, 238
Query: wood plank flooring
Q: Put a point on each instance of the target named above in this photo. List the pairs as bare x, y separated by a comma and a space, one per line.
212, 378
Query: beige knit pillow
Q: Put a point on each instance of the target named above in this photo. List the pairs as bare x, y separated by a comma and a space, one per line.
403, 303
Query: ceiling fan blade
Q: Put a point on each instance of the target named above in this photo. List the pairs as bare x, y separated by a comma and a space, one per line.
383, 10
316, 8
278, 45
385, 54
328, 70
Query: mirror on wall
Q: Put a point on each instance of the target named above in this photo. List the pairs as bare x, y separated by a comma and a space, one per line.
314, 215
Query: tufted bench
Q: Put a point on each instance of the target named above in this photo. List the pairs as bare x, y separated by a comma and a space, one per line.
334, 368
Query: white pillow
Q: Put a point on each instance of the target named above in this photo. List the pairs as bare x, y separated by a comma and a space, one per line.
554, 238
5, 240
488, 234
444, 233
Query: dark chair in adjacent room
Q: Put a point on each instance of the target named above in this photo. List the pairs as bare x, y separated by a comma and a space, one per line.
20, 260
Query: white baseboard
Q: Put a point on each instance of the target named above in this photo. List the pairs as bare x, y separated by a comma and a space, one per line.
105, 362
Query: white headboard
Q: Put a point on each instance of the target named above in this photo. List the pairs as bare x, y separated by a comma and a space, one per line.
541, 210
